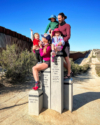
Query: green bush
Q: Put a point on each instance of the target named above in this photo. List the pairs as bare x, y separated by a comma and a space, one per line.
17, 63
93, 56
97, 68
76, 69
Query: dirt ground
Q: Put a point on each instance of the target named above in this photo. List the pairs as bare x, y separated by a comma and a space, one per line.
86, 104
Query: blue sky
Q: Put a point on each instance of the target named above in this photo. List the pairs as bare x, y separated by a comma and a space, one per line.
83, 16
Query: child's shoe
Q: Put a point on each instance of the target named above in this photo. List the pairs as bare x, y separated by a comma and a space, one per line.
53, 58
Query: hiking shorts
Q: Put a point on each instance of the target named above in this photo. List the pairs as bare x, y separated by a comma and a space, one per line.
47, 62
66, 50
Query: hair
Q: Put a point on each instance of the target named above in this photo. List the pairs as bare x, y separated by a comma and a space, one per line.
59, 32
62, 14
45, 48
35, 34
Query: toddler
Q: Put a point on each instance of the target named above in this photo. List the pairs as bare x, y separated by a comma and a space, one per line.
35, 39
57, 42
52, 25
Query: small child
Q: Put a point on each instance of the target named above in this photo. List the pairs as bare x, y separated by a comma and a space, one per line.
57, 42
35, 39
52, 25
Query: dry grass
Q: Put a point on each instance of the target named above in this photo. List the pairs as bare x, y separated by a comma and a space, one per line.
98, 70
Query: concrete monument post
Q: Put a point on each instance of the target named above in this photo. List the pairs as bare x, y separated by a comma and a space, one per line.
68, 94
46, 87
57, 74
35, 102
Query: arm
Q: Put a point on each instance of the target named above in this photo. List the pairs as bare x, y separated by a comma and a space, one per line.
47, 28
32, 35
53, 41
62, 41
68, 33
47, 51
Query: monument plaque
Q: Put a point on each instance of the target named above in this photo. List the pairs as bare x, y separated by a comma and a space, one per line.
35, 102
46, 87
57, 83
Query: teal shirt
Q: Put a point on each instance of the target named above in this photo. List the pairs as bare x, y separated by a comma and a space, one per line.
52, 26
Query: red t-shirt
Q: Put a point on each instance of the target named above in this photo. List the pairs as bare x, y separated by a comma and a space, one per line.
36, 42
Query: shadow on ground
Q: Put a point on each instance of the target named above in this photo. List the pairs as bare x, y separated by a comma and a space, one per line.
84, 98
7, 87
13, 106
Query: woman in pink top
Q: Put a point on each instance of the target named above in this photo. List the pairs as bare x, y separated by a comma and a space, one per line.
45, 50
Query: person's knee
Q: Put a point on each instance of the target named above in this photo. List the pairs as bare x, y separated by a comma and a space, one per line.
33, 68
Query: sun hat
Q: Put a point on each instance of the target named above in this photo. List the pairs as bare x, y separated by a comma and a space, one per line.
52, 16
55, 30
47, 36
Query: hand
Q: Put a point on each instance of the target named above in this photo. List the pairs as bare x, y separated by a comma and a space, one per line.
58, 48
34, 47
59, 44
53, 54
50, 31
31, 29
40, 44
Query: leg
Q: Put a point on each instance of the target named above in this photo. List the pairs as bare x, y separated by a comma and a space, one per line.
38, 68
37, 55
53, 52
53, 47
67, 64
51, 33
41, 59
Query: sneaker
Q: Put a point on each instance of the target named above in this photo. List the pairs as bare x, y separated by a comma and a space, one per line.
53, 58
33, 88
67, 77
37, 86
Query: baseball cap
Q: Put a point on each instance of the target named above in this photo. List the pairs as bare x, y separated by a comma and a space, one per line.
47, 36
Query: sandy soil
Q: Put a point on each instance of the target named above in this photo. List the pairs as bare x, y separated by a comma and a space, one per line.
86, 104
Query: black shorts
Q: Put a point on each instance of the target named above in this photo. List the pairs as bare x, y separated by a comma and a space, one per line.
47, 62
66, 50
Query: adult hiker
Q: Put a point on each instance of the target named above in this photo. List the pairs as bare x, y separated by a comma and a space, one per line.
65, 31
45, 53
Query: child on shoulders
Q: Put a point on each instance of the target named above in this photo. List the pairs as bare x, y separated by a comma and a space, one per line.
52, 25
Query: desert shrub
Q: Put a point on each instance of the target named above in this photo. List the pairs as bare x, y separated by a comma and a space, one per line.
17, 63
97, 68
93, 56
76, 69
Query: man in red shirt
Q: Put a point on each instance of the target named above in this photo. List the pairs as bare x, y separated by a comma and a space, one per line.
65, 30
